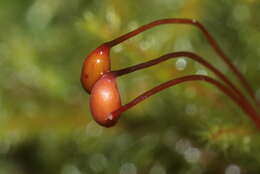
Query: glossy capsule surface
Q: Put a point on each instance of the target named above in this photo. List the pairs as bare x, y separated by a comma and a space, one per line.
104, 99
95, 65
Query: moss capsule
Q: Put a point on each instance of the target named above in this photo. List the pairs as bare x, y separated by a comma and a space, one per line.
94, 66
104, 99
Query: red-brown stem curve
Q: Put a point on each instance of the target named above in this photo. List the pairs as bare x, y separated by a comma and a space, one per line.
253, 115
190, 55
208, 36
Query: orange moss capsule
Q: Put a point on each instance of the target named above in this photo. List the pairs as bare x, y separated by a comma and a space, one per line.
104, 99
94, 66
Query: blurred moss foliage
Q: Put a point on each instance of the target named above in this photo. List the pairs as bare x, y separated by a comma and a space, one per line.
45, 123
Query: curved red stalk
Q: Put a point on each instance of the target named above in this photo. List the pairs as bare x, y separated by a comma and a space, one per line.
209, 38
190, 55
243, 105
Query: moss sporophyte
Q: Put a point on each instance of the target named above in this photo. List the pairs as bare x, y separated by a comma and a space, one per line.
100, 81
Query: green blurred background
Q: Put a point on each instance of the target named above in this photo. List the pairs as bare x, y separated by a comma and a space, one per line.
45, 122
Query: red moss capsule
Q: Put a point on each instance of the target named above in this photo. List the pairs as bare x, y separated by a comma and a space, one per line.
104, 99
94, 66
